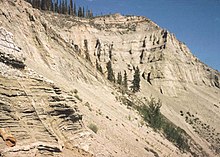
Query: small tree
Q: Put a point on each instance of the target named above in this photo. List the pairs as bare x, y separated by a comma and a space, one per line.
90, 13
80, 12
136, 81
153, 115
71, 7
83, 12
144, 42
74, 9
63, 7
43, 5
119, 78
110, 76
56, 8
125, 81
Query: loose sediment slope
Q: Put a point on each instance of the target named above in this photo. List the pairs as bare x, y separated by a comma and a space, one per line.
47, 73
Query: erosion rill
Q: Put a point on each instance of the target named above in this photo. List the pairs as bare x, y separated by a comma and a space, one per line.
54, 101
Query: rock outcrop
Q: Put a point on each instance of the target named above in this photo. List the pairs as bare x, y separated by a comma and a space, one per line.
9, 53
8, 138
37, 114
37, 117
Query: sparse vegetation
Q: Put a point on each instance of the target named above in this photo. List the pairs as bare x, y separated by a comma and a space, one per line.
176, 135
125, 81
77, 97
206, 131
110, 51
99, 112
152, 113
136, 81
129, 117
127, 102
75, 91
141, 57
88, 105
144, 42
181, 113
119, 78
93, 127
111, 76
157, 121
75, 94
62, 7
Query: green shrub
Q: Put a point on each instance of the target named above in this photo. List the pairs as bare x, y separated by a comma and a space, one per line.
136, 81
75, 91
111, 76
77, 97
88, 105
151, 114
93, 127
176, 135
127, 102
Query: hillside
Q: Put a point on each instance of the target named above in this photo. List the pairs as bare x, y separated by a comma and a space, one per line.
55, 102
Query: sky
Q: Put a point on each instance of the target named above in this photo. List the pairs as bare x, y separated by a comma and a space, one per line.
194, 22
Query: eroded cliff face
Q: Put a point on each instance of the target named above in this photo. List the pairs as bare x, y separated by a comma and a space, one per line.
129, 41
50, 90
